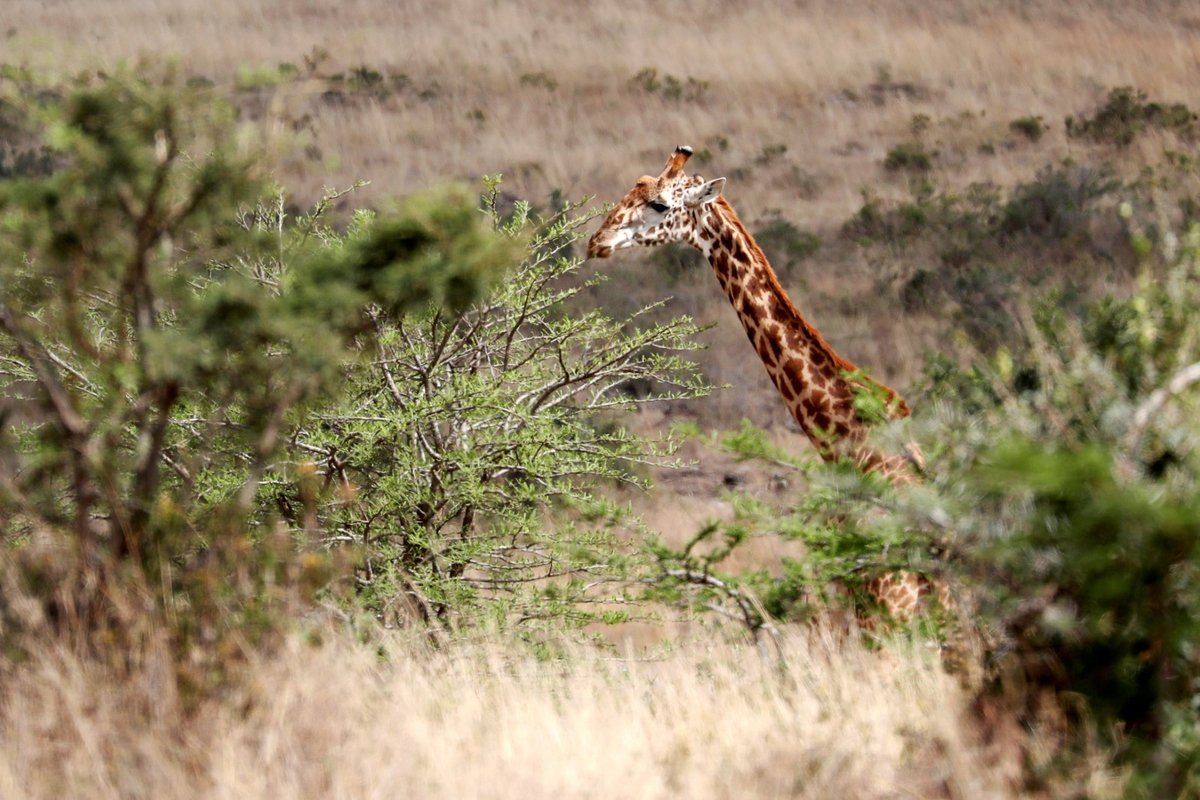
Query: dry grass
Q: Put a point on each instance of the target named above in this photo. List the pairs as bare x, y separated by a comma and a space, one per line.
799, 76
710, 720
543, 93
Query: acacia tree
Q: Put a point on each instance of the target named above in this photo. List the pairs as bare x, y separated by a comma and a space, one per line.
200, 381
452, 442
131, 309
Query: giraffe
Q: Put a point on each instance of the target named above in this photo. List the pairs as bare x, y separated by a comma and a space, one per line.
817, 385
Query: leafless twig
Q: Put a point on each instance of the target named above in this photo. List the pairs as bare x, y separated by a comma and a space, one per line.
1150, 408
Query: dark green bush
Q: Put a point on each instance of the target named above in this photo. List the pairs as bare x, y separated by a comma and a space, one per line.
1126, 113
1078, 521
785, 245
908, 157
1031, 127
668, 86
871, 222
674, 260
541, 79
979, 242
161, 353
25, 163
1058, 205
919, 124
364, 79
770, 153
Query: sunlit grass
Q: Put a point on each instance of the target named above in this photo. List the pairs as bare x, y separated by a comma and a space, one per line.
813, 718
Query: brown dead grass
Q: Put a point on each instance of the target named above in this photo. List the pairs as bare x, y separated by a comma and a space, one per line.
711, 719
836, 83
543, 93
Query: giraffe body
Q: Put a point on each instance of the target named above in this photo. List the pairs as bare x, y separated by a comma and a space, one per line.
817, 385
904, 594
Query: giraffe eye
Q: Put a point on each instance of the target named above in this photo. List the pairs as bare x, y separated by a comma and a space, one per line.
661, 208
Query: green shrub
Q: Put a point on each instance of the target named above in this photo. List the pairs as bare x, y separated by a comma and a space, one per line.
259, 77
34, 162
161, 354
981, 241
668, 86
920, 291
674, 260
451, 441
1031, 127
770, 153
1058, 205
1126, 113
870, 223
1078, 521
540, 79
785, 245
314, 59
908, 157
364, 79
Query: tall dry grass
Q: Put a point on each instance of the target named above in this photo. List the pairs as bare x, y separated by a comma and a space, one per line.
544, 93
797, 74
712, 719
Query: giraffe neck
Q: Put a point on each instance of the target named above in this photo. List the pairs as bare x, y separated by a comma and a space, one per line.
809, 375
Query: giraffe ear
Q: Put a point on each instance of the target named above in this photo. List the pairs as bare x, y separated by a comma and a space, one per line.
705, 193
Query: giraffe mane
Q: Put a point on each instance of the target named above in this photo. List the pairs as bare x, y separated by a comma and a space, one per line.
772, 280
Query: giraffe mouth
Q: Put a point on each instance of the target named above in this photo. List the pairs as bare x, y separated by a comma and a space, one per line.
604, 243
597, 250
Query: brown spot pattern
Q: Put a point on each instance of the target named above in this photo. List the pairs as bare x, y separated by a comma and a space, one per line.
805, 369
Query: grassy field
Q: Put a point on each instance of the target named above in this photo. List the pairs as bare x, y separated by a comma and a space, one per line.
548, 93
711, 719
799, 106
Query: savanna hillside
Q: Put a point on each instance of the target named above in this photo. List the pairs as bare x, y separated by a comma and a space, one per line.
295, 541
800, 106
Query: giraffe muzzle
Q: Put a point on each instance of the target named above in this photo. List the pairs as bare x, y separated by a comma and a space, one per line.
598, 246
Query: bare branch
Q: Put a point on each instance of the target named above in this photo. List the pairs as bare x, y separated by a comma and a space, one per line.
42, 363
1150, 408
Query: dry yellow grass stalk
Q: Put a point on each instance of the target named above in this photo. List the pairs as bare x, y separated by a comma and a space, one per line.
487, 721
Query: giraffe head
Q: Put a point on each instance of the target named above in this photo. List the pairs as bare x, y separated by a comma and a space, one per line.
656, 210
